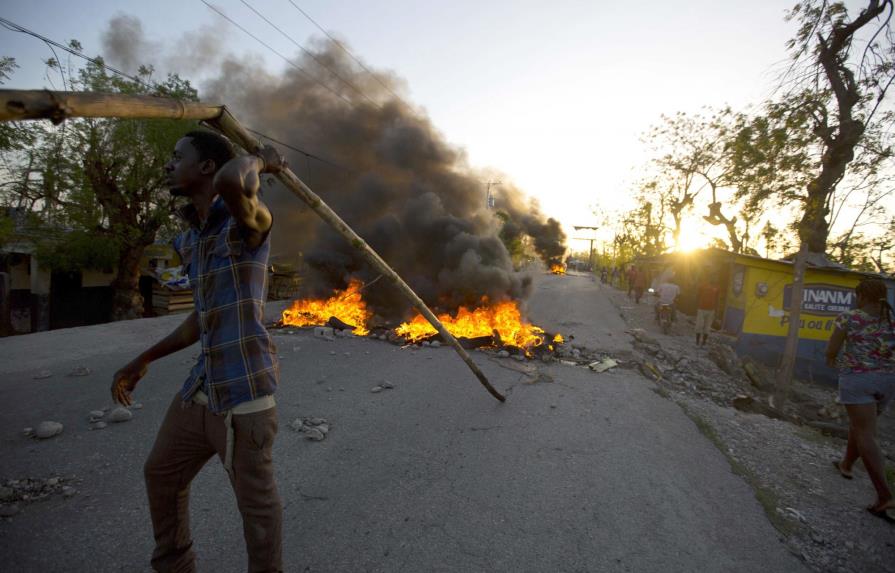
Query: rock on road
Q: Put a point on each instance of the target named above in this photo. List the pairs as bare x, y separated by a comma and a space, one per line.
587, 472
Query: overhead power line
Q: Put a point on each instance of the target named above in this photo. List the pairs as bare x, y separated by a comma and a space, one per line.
309, 54
12, 26
9, 25
287, 60
350, 55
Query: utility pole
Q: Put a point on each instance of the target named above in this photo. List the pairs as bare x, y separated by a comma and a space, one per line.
590, 260
489, 198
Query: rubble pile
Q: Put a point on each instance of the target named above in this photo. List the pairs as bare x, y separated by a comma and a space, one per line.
778, 450
15, 493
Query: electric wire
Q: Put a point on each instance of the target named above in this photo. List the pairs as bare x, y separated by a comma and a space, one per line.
309, 53
350, 55
287, 60
12, 26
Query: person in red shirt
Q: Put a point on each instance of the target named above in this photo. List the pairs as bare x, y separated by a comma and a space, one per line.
707, 302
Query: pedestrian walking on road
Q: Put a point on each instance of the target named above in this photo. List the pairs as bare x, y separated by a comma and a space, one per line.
866, 384
641, 279
706, 303
226, 406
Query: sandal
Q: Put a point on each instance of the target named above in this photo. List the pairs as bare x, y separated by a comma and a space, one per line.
843, 473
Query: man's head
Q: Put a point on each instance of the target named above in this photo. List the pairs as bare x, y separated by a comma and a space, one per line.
197, 157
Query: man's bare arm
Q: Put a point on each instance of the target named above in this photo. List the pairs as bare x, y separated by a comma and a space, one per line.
125, 380
238, 183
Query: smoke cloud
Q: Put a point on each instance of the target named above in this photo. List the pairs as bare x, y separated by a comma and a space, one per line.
388, 172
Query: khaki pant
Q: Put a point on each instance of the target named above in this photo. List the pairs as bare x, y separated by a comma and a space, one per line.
704, 320
189, 437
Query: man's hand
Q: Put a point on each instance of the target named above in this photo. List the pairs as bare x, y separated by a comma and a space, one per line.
125, 380
274, 162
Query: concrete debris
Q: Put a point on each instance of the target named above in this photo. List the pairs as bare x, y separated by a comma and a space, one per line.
95, 415
435, 344
42, 375
80, 371
324, 332
98, 425
119, 414
751, 405
503, 354
724, 358
384, 385
314, 429
314, 434
640, 335
136, 406
757, 374
47, 429
603, 365
28, 432
781, 449
14, 492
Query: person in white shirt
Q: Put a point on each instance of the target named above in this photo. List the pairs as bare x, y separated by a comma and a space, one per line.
667, 293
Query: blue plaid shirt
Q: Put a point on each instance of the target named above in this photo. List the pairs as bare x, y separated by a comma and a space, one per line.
238, 361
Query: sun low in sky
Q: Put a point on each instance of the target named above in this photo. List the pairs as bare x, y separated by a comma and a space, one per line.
553, 96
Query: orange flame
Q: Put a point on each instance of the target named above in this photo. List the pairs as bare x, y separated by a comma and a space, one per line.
348, 306
504, 318
558, 269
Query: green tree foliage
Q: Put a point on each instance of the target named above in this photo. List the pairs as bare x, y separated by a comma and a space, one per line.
836, 91
695, 152
98, 184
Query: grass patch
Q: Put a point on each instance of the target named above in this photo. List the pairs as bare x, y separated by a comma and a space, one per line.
769, 500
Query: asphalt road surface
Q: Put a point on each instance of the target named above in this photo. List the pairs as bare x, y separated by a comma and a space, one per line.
587, 472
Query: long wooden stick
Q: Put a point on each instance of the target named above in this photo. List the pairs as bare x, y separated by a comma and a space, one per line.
57, 106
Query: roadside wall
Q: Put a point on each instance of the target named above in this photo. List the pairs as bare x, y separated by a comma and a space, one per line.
759, 299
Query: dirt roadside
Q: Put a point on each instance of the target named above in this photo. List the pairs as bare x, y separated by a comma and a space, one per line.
786, 459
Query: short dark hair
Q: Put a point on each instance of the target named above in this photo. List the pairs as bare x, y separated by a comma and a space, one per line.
211, 145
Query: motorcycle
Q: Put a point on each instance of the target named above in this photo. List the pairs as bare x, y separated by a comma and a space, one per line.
664, 314
665, 318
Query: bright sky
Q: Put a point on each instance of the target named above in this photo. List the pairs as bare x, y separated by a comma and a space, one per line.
554, 94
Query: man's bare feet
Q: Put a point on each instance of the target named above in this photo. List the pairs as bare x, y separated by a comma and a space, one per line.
846, 474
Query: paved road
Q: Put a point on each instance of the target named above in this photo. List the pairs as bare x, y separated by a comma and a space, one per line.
587, 473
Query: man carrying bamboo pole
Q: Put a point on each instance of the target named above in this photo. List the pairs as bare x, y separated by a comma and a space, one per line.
226, 406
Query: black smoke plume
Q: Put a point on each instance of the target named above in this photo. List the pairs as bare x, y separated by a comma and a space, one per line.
388, 173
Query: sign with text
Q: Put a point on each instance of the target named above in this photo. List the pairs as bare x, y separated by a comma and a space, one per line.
822, 299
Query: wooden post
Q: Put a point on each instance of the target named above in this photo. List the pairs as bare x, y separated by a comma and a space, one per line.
57, 106
791, 346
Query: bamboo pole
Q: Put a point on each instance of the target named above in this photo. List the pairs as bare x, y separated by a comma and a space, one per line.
57, 106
